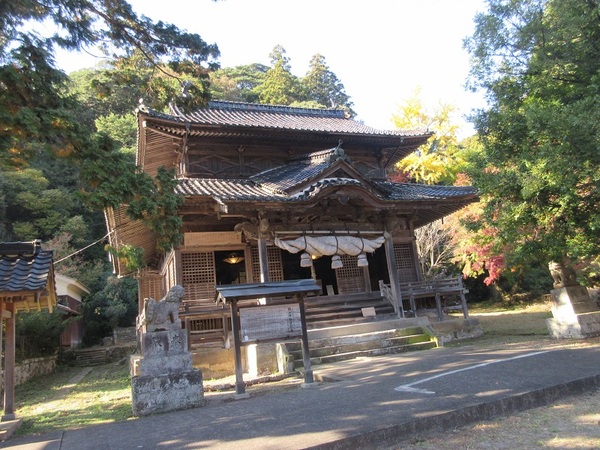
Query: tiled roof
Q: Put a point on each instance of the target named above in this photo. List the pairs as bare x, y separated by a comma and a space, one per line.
250, 115
297, 171
247, 190
420, 192
24, 266
227, 190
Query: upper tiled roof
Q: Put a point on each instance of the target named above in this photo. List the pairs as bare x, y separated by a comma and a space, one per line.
250, 115
24, 266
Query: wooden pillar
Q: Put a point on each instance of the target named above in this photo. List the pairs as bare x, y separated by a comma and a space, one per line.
393, 271
415, 251
308, 372
9, 364
367, 280
240, 387
263, 259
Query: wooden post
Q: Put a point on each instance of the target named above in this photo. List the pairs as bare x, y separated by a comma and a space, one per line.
308, 372
9, 365
240, 387
263, 259
463, 299
438, 305
393, 271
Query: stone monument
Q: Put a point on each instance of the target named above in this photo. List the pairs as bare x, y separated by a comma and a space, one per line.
575, 314
163, 377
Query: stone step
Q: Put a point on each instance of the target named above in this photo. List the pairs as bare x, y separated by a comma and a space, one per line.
327, 349
344, 313
345, 356
348, 343
90, 357
345, 308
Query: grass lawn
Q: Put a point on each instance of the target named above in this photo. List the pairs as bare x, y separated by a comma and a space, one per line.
58, 401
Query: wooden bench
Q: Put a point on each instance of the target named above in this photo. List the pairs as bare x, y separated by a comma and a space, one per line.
437, 289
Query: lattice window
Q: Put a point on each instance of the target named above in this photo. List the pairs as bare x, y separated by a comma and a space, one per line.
273, 262
198, 276
405, 262
170, 277
350, 278
150, 286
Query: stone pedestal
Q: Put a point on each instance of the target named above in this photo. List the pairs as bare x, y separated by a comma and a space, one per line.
163, 377
575, 314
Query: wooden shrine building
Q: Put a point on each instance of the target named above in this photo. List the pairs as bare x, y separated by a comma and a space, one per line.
277, 193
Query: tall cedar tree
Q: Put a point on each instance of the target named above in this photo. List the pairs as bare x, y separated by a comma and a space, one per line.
539, 63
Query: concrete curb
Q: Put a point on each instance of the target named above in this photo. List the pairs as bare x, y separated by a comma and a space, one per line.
385, 438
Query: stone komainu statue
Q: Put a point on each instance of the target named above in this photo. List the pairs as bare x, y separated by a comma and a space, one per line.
162, 315
563, 276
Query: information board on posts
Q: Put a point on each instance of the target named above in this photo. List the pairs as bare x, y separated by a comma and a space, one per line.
270, 322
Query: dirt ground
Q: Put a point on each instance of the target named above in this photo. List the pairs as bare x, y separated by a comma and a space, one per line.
572, 423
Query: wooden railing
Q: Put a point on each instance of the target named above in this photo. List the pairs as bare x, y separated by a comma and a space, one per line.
439, 289
386, 292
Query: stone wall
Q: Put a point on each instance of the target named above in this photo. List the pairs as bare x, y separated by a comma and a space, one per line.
31, 368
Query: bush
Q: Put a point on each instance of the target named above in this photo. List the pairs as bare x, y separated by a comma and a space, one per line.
38, 333
113, 306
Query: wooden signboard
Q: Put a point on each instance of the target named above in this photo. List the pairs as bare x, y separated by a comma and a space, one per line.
270, 322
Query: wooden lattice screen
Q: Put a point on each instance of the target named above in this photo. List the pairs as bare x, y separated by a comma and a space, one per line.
198, 276
350, 278
170, 275
273, 262
151, 285
405, 262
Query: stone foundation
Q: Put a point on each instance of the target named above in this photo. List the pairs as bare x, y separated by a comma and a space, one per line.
575, 314
163, 377
456, 329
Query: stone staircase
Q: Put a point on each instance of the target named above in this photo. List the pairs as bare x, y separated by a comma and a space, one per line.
323, 311
366, 339
91, 357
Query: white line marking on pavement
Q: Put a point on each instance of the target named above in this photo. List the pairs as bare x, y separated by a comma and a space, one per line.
409, 387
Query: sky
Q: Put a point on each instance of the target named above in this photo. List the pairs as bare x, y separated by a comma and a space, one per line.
381, 50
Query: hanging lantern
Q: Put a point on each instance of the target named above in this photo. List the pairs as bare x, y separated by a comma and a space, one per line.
305, 260
336, 262
362, 260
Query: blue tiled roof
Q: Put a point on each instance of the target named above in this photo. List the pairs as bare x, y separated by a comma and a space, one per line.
24, 267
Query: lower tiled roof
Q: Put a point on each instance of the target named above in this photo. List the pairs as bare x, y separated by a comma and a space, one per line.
236, 190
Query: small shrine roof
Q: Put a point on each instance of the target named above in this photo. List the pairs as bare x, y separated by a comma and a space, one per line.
27, 276
24, 266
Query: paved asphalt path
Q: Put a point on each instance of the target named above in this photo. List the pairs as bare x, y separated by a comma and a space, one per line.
364, 403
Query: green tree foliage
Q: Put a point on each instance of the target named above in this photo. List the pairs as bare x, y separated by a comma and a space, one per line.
539, 63
37, 333
323, 86
240, 83
280, 86
114, 305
